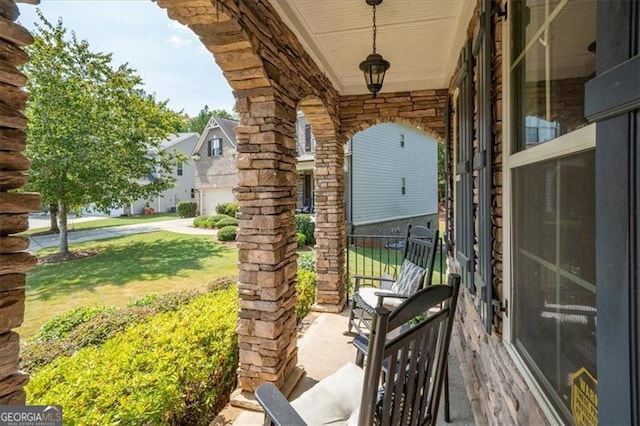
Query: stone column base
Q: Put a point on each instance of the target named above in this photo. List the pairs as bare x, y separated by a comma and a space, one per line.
329, 308
247, 400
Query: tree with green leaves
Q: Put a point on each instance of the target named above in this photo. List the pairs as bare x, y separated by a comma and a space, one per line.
199, 122
94, 135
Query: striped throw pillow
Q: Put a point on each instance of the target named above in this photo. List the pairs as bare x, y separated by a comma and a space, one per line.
409, 279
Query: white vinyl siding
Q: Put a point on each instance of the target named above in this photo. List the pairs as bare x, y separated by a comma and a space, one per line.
379, 166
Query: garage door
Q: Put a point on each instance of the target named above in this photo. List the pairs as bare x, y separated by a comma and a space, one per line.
211, 197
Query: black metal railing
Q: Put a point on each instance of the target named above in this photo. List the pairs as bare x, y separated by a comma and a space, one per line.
379, 255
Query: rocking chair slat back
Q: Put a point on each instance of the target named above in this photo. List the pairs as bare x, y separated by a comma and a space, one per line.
407, 390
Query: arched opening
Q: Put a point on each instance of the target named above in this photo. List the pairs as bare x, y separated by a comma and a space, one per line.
393, 183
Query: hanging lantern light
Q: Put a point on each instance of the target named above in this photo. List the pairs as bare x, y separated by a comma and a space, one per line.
375, 66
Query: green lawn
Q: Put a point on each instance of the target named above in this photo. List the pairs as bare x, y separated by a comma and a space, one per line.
126, 268
111, 221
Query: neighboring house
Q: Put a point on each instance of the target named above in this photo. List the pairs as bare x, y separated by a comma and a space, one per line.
385, 196
306, 148
215, 155
378, 203
182, 190
184, 175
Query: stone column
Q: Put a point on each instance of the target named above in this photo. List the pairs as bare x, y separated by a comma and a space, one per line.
15, 261
330, 225
266, 238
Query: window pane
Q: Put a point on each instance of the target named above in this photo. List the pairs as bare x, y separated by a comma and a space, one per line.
554, 271
551, 63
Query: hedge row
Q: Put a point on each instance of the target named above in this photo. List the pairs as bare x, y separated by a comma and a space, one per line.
92, 326
177, 368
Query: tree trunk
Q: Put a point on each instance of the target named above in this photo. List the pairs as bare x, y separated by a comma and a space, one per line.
64, 241
53, 211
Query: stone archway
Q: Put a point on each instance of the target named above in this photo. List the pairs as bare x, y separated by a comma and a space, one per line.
265, 191
422, 109
270, 73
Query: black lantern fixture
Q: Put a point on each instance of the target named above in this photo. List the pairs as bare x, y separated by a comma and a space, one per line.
375, 66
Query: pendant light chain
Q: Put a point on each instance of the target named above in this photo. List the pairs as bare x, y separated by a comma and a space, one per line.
374, 66
375, 30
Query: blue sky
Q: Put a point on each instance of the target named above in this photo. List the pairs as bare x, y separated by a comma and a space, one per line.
168, 56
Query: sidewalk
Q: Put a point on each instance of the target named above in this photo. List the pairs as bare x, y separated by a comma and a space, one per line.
179, 226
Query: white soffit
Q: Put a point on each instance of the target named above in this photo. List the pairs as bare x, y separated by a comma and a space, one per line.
421, 38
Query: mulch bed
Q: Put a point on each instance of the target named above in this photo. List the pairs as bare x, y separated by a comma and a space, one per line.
74, 255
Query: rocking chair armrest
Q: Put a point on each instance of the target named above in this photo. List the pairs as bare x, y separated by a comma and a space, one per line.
359, 278
383, 295
277, 410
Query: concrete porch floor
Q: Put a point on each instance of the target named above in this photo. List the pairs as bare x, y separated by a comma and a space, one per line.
323, 349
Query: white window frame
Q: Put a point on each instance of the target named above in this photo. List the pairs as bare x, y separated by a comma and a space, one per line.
572, 143
216, 151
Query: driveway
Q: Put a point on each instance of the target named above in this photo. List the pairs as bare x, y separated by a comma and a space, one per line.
180, 226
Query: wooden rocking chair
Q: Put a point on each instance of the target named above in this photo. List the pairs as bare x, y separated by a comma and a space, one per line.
415, 273
402, 380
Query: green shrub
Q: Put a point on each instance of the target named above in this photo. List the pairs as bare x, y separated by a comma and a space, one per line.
306, 288
305, 225
177, 368
301, 239
307, 262
229, 221
228, 233
201, 221
59, 327
222, 283
187, 209
105, 324
230, 209
209, 221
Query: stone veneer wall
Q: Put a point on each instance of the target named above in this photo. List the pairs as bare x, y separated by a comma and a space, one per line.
495, 382
15, 261
329, 205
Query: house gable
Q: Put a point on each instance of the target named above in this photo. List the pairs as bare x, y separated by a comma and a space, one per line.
217, 127
216, 174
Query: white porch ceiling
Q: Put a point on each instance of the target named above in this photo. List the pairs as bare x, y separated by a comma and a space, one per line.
421, 38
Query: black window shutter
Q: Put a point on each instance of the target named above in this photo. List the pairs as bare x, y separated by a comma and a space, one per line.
482, 165
464, 181
220, 150
209, 148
